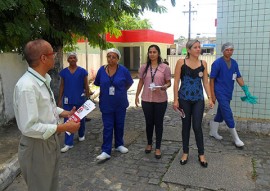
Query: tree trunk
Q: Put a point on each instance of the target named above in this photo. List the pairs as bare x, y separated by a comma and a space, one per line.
53, 13
54, 73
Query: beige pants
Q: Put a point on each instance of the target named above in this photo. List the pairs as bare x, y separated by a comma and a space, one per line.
39, 162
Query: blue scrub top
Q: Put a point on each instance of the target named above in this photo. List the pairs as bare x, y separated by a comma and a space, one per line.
224, 83
121, 80
74, 86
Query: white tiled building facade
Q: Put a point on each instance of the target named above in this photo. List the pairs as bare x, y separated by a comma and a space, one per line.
246, 23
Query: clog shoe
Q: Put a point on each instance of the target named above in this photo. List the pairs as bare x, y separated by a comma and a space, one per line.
81, 138
122, 149
103, 156
66, 148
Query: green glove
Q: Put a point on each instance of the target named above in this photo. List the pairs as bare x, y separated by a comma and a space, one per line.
248, 98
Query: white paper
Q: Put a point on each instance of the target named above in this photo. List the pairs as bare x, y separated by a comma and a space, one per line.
156, 87
85, 109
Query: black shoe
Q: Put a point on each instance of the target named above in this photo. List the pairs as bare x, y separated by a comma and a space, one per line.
203, 163
148, 150
183, 162
158, 156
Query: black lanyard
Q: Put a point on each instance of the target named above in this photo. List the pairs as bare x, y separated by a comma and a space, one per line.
153, 74
51, 95
111, 77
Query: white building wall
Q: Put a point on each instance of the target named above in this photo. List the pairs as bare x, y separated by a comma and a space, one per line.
246, 23
12, 67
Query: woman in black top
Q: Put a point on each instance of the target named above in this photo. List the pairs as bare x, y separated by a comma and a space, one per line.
191, 71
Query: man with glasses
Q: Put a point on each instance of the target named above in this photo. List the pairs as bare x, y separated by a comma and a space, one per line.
37, 118
73, 91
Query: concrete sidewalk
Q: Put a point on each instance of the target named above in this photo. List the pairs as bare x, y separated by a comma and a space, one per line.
9, 166
229, 168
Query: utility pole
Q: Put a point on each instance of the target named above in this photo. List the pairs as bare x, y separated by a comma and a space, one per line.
189, 18
86, 54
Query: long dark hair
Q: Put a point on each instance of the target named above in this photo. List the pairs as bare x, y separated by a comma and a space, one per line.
148, 63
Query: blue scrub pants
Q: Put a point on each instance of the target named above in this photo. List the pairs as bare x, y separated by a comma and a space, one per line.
113, 123
194, 113
69, 138
224, 112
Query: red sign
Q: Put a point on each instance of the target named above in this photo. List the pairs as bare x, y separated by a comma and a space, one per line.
144, 35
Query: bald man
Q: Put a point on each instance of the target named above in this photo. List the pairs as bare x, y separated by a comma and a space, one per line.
37, 118
73, 91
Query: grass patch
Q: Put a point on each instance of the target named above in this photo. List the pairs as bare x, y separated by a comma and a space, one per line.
254, 172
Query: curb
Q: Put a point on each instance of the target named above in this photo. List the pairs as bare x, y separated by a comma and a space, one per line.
9, 171
242, 125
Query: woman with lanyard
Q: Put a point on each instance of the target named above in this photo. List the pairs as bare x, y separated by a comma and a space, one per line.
155, 78
114, 81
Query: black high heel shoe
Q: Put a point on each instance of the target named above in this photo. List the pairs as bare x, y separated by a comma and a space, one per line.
148, 150
183, 162
203, 163
157, 156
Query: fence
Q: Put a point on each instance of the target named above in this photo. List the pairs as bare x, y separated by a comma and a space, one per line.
172, 59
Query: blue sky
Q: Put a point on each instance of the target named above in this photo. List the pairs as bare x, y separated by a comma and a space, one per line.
176, 22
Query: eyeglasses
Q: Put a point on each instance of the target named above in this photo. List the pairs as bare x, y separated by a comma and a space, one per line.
112, 57
49, 54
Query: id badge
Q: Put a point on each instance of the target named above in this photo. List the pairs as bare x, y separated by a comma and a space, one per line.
234, 76
152, 85
111, 90
65, 100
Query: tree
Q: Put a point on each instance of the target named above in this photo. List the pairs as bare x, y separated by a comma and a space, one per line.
59, 21
62, 21
128, 22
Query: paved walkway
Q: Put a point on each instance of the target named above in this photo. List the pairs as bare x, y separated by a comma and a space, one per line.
229, 168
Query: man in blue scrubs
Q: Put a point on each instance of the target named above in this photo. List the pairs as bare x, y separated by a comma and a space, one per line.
73, 91
224, 73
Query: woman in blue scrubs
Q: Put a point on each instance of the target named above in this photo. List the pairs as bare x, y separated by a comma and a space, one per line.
114, 81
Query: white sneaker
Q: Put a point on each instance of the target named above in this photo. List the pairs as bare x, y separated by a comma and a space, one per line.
81, 138
122, 149
66, 148
103, 156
